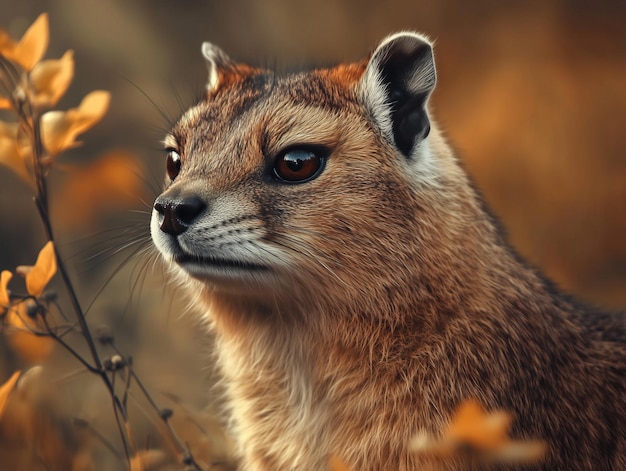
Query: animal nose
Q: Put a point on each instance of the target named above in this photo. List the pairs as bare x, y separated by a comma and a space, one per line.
178, 214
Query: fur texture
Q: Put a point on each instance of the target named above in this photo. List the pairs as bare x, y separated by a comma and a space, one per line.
362, 306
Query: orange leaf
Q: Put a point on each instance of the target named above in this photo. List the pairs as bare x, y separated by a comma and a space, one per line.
6, 389
481, 434
60, 128
9, 151
31, 48
5, 104
473, 425
6, 42
136, 464
51, 78
44, 269
31, 347
5, 277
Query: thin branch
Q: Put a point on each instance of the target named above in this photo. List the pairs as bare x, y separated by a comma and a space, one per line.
67, 347
128, 376
116, 413
16, 81
70, 288
84, 424
165, 415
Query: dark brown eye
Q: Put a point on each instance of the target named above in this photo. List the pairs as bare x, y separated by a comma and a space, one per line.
172, 164
298, 165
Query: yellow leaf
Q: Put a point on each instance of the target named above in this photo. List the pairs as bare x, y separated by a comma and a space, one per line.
51, 78
44, 269
60, 128
5, 277
21, 337
9, 151
31, 48
6, 389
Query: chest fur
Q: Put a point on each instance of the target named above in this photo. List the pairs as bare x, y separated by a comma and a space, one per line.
296, 400
278, 414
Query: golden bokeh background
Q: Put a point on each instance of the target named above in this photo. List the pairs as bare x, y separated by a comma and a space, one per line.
532, 94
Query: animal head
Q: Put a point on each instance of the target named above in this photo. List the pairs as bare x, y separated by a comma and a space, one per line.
293, 184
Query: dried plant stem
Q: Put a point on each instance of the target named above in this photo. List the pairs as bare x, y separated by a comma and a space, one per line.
84, 424
98, 369
51, 333
40, 180
30, 122
165, 415
15, 83
41, 202
121, 422
80, 317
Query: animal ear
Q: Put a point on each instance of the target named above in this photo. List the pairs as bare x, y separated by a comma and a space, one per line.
395, 86
218, 64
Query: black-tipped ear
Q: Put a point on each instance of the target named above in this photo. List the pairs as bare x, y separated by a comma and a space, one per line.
397, 82
218, 63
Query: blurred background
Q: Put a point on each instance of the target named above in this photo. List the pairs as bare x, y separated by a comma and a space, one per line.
532, 94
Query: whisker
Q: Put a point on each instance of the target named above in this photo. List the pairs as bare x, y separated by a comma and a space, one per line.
117, 270
111, 251
105, 241
303, 251
178, 98
302, 244
139, 274
154, 187
259, 246
169, 121
140, 211
311, 232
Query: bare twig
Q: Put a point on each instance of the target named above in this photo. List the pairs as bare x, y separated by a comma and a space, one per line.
84, 424
165, 415
14, 82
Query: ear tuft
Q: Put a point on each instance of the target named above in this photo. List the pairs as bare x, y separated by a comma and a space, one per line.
217, 62
396, 85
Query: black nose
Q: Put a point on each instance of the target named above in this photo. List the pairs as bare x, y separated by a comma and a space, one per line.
178, 214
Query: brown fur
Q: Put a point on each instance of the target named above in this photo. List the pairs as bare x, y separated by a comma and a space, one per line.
392, 298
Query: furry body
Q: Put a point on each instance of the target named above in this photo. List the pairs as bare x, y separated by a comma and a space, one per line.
354, 309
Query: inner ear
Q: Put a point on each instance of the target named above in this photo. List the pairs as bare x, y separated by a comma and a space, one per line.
403, 71
218, 64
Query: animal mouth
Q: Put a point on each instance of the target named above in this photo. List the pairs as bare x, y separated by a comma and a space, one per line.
216, 262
